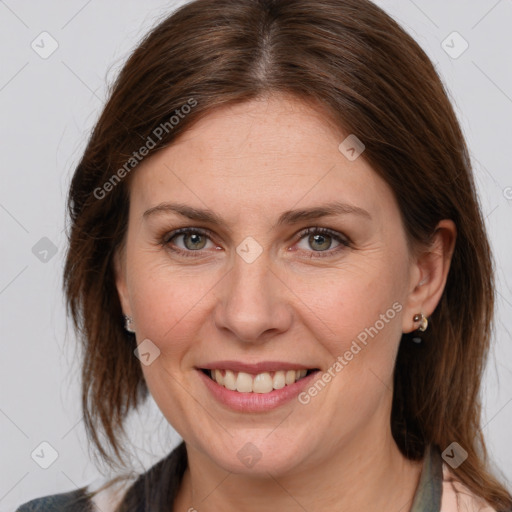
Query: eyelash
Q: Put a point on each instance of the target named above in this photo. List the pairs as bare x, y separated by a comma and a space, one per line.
344, 241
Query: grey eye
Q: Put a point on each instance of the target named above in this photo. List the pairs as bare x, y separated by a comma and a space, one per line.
323, 241
193, 241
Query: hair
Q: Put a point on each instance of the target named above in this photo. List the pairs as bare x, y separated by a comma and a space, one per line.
353, 60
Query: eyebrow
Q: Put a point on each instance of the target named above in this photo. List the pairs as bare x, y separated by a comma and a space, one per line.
286, 218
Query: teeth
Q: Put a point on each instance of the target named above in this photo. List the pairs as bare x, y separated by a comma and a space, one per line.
262, 383
244, 382
229, 380
219, 377
290, 377
279, 380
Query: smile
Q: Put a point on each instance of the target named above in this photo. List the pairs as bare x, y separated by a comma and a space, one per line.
263, 382
255, 388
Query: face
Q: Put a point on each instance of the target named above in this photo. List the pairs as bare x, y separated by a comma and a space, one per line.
253, 282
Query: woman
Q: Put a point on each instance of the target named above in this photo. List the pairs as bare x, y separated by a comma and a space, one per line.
276, 214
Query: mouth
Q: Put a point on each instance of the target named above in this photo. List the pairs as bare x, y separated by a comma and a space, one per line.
255, 387
263, 382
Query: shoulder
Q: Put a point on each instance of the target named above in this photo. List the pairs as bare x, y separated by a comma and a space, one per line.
109, 493
106, 493
74, 501
91, 498
457, 497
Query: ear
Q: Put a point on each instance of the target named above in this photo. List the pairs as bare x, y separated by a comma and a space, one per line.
429, 272
120, 278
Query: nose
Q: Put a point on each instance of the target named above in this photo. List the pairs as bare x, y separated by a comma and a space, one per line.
253, 302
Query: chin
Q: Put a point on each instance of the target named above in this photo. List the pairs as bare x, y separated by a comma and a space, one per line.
257, 453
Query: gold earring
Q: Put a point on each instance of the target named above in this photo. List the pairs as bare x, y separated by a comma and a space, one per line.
423, 321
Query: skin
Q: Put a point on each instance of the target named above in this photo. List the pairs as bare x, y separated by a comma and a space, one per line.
248, 163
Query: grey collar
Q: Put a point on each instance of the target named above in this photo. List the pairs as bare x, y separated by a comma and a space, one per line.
430, 487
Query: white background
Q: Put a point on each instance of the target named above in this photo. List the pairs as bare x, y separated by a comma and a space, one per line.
48, 107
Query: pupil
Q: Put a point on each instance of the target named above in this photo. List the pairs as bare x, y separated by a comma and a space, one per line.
195, 239
319, 238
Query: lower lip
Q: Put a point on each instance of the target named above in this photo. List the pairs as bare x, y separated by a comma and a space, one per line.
256, 402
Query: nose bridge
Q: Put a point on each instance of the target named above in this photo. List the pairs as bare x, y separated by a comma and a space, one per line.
252, 301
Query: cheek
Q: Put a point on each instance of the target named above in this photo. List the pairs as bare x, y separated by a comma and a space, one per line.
360, 347
355, 314
166, 314
353, 300
168, 303
168, 309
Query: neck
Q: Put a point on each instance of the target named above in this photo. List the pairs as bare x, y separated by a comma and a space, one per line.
370, 474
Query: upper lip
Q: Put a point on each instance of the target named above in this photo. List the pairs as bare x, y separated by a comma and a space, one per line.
254, 368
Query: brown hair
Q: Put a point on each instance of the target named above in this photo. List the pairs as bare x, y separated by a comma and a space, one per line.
355, 61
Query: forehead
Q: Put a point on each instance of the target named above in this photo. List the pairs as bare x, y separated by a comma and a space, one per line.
260, 155
280, 126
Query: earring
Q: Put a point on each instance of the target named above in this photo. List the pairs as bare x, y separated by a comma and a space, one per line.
423, 321
128, 324
423, 326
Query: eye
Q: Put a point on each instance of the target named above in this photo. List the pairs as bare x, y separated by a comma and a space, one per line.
320, 239
194, 240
